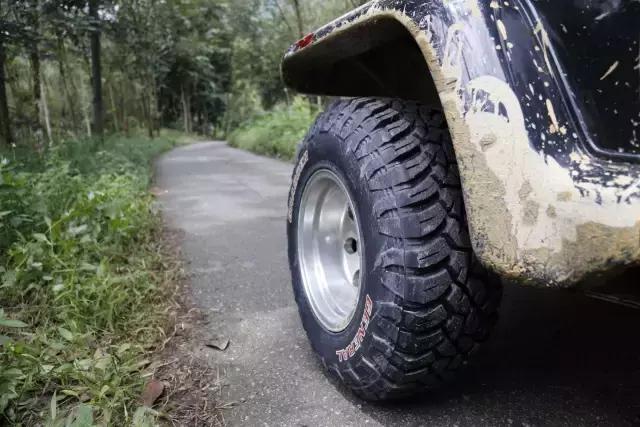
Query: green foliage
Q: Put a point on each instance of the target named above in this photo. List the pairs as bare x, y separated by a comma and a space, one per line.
80, 281
201, 66
182, 49
277, 132
262, 31
80, 272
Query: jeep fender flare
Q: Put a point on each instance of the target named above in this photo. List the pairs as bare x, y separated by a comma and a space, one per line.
543, 206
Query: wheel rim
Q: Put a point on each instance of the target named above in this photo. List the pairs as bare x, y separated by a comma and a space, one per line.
329, 250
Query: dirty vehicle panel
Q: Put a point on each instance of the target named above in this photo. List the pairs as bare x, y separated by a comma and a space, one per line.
542, 100
597, 44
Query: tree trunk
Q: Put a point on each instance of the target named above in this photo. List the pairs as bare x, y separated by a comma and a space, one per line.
45, 110
123, 109
157, 118
116, 126
296, 6
151, 104
146, 112
287, 97
96, 69
34, 58
284, 17
205, 120
6, 137
65, 85
189, 115
85, 106
227, 115
185, 110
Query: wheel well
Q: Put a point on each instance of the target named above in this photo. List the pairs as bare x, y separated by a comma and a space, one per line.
376, 57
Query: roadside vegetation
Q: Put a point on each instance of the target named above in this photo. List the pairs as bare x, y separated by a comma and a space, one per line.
277, 132
84, 282
83, 274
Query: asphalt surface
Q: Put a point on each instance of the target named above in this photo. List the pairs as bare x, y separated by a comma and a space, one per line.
557, 358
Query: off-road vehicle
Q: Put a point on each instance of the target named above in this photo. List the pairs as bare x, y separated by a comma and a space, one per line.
473, 141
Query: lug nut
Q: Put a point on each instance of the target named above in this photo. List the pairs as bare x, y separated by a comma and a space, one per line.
351, 246
356, 279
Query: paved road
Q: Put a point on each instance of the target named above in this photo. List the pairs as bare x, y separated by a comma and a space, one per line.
556, 358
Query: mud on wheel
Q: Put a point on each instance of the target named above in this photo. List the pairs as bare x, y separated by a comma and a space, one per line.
387, 286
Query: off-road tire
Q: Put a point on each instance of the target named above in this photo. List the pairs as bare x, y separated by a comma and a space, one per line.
432, 303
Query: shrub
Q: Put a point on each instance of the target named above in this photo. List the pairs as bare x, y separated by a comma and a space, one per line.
277, 132
80, 280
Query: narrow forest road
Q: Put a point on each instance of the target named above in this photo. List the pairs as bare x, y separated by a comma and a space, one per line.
556, 359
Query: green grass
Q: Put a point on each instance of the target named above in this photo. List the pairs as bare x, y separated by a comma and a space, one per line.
83, 282
277, 132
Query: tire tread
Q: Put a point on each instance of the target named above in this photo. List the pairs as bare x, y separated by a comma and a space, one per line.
445, 304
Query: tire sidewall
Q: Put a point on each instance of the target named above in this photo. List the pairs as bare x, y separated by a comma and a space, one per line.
327, 151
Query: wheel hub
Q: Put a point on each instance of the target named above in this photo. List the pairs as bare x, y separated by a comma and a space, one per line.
329, 250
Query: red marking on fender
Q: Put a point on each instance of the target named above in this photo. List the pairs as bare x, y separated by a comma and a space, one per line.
354, 346
305, 41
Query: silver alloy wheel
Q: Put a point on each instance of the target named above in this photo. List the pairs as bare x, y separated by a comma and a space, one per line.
329, 250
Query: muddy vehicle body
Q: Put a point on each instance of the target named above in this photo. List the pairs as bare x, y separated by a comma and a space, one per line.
473, 141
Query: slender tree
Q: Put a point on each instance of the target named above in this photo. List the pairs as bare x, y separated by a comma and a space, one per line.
299, 22
96, 68
6, 136
62, 70
33, 21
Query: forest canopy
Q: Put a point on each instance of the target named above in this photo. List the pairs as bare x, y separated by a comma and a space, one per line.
72, 68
